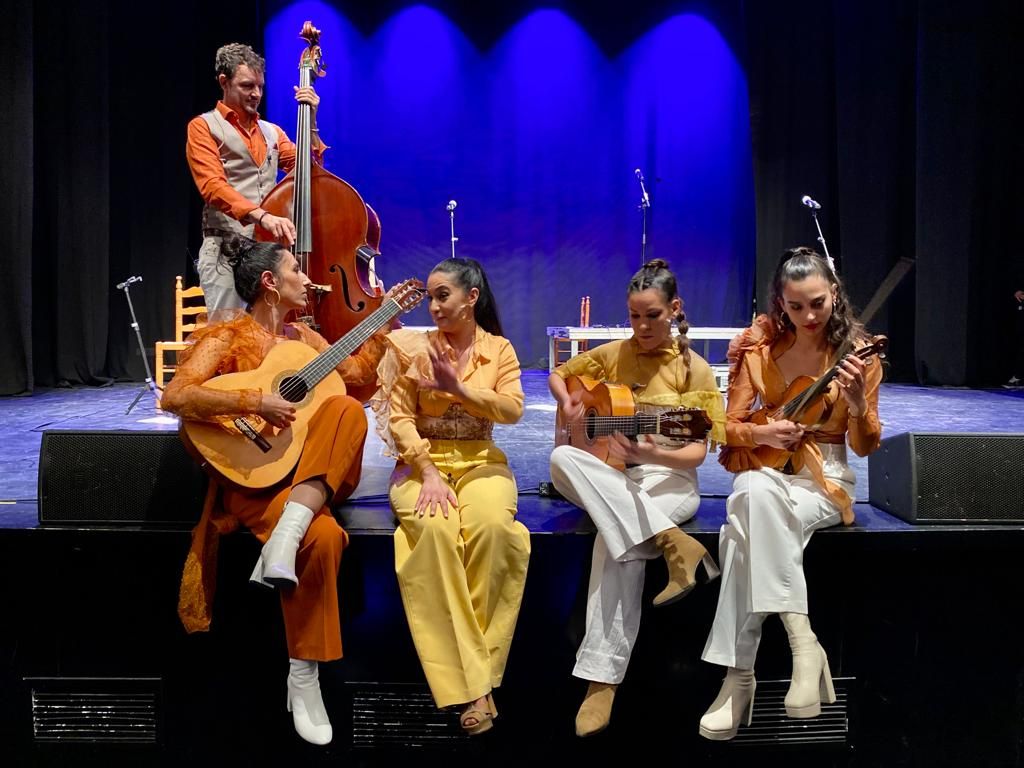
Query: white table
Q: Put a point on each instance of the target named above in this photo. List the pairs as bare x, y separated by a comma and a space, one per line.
575, 334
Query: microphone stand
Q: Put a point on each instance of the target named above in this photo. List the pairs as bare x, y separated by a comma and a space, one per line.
645, 203
821, 239
150, 385
451, 214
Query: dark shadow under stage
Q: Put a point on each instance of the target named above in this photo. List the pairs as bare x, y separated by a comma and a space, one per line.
919, 623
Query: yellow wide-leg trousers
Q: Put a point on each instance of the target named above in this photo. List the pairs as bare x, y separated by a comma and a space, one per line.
461, 578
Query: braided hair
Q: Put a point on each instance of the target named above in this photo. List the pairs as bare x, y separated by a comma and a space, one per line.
656, 274
248, 260
469, 274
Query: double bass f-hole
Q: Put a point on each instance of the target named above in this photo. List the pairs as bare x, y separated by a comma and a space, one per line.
366, 255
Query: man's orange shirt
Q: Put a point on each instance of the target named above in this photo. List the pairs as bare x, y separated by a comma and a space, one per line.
208, 170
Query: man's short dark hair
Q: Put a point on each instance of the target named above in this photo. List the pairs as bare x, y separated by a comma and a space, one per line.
233, 55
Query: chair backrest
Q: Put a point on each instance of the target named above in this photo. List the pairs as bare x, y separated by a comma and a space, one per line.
189, 309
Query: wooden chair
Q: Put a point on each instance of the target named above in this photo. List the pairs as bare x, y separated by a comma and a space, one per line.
189, 314
563, 347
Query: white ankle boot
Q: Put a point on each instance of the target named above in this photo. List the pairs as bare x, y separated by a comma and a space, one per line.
734, 704
276, 565
306, 704
812, 681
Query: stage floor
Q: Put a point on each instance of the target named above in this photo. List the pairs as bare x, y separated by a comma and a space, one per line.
528, 444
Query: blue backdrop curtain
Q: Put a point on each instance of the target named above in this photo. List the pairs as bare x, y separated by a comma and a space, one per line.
537, 136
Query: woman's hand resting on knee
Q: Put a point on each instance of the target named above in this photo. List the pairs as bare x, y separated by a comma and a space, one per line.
435, 493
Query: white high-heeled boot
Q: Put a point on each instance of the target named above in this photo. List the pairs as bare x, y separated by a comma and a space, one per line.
733, 705
812, 681
309, 714
276, 565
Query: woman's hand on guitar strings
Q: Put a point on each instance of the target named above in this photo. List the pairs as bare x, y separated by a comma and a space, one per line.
277, 411
641, 451
782, 434
850, 378
434, 494
396, 321
572, 409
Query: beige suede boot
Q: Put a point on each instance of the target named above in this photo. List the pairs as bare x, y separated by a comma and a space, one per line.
682, 555
596, 709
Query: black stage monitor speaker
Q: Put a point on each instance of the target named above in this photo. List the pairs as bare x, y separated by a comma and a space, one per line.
946, 477
118, 477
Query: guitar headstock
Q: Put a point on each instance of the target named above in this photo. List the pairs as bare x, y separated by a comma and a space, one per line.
408, 294
685, 424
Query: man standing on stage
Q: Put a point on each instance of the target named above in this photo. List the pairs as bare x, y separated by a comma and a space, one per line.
234, 158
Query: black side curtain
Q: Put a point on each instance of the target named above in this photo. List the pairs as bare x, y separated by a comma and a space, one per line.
895, 116
94, 103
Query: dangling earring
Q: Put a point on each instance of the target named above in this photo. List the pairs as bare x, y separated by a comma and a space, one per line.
277, 299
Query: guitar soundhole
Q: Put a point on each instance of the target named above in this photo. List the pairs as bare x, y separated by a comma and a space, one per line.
293, 389
590, 425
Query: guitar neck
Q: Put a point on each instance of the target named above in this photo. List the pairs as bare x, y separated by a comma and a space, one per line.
630, 426
314, 372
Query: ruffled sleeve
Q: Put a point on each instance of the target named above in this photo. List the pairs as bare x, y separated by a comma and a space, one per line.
704, 394
215, 349
748, 352
864, 432
404, 363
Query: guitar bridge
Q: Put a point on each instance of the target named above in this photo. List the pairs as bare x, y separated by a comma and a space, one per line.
249, 431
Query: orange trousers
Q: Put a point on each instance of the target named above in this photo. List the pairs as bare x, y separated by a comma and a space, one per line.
333, 453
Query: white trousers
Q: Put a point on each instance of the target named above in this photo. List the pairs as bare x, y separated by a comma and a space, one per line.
770, 517
629, 509
217, 281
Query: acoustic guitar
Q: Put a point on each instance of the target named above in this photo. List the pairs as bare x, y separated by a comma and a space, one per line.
804, 402
609, 408
255, 454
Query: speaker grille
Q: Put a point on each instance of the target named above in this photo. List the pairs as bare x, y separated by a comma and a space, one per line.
770, 725
399, 716
95, 710
970, 476
118, 477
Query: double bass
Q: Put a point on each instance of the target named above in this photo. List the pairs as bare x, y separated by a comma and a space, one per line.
336, 233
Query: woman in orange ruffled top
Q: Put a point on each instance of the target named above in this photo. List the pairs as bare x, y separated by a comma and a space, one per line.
772, 513
303, 542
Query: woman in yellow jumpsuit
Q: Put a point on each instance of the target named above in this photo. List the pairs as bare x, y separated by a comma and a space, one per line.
460, 554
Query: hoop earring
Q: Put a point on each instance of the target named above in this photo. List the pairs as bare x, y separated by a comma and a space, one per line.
266, 297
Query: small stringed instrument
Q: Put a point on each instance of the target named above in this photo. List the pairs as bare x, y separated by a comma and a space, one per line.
804, 402
609, 408
256, 454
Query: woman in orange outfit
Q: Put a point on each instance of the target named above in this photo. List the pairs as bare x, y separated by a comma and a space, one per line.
302, 540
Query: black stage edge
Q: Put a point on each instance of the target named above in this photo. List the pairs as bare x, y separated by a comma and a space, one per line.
918, 621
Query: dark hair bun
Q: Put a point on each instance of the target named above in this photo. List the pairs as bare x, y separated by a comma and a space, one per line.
235, 249
655, 264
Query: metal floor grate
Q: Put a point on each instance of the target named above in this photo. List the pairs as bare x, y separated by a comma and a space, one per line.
397, 716
109, 710
770, 725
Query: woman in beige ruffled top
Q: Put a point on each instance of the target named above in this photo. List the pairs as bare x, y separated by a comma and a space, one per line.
460, 554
